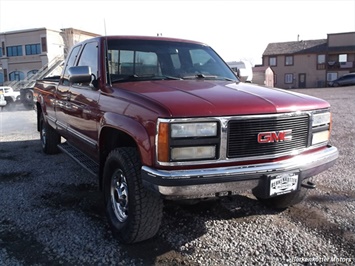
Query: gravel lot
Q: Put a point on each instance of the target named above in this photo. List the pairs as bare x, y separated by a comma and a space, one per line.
51, 211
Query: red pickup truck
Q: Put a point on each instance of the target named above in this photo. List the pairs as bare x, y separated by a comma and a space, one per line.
166, 119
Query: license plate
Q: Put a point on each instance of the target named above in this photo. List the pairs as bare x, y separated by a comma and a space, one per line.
283, 183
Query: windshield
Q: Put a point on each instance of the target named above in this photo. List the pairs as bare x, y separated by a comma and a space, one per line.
156, 59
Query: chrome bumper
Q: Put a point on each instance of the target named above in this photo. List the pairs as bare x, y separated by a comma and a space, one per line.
212, 182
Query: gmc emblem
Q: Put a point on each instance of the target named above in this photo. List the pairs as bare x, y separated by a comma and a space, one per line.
275, 136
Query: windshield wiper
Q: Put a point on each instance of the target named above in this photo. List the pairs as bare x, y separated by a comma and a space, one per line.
136, 77
203, 76
199, 76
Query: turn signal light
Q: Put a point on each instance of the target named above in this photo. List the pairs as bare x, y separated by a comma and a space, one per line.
163, 142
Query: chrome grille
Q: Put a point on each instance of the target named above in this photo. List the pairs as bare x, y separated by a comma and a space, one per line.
243, 134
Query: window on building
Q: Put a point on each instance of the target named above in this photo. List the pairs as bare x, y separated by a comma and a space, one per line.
16, 75
272, 61
0, 52
289, 60
44, 44
332, 76
14, 50
3, 48
33, 49
5, 74
31, 73
288, 78
343, 58
321, 61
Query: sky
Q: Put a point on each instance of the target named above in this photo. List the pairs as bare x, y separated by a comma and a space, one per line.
235, 29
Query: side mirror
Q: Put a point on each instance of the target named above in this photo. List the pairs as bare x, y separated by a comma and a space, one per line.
79, 74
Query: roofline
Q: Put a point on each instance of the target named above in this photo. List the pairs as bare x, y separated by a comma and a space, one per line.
149, 38
80, 31
341, 33
26, 30
324, 40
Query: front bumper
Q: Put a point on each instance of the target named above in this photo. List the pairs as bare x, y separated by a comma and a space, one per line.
214, 182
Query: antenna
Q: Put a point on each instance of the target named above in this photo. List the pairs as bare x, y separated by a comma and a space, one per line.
108, 80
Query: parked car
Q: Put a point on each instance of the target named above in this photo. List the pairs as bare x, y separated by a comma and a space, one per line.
163, 118
2, 101
9, 94
346, 80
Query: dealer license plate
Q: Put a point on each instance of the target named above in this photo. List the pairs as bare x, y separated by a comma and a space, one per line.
283, 183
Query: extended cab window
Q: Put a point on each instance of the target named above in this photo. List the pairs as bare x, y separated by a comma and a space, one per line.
126, 62
154, 59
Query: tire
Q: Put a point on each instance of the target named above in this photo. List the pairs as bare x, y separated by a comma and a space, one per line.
10, 106
28, 99
49, 137
335, 84
134, 213
286, 200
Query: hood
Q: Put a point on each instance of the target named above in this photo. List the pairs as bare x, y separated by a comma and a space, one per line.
187, 98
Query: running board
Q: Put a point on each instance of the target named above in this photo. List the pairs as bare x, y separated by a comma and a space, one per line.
80, 158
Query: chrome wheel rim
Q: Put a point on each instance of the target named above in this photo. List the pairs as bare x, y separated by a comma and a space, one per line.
43, 135
119, 195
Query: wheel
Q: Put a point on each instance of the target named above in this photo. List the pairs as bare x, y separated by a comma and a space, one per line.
335, 84
49, 137
10, 104
28, 99
134, 213
286, 200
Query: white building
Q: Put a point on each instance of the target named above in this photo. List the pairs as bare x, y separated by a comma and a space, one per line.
24, 54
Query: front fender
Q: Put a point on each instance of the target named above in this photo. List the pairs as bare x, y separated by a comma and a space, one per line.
142, 132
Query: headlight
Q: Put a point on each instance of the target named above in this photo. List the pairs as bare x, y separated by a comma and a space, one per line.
321, 119
193, 153
181, 141
186, 130
320, 137
321, 125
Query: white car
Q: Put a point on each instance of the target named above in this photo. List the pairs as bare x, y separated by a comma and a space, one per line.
9, 94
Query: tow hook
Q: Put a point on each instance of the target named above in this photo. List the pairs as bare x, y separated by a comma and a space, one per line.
309, 185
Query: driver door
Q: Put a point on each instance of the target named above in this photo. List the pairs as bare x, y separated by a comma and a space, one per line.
84, 114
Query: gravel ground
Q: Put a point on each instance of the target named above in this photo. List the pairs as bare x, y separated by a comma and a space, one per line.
51, 211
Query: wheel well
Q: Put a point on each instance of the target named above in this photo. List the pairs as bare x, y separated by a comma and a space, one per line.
9, 99
110, 139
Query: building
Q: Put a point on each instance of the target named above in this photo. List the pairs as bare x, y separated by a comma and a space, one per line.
311, 63
24, 54
263, 75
